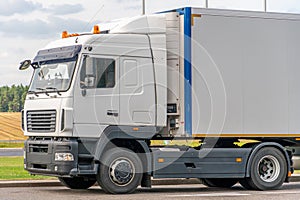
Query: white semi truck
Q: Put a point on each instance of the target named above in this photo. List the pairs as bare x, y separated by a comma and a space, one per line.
98, 100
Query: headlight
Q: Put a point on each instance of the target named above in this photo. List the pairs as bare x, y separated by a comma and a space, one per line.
64, 157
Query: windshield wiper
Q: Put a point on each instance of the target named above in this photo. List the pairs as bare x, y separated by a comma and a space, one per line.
53, 88
42, 89
33, 92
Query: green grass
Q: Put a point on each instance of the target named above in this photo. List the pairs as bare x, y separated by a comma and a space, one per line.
12, 168
11, 144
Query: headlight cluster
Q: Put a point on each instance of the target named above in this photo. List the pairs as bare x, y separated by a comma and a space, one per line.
64, 157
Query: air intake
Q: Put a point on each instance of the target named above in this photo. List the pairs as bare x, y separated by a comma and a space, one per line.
41, 121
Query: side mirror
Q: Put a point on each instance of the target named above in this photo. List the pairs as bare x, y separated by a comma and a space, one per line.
89, 81
25, 64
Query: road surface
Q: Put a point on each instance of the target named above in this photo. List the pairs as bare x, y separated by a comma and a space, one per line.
290, 191
11, 152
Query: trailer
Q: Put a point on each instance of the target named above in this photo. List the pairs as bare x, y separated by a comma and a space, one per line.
224, 81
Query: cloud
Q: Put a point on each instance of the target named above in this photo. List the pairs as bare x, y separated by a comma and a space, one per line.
3, 54
30, 28
11, 7
130, 4
36, 29
71, 25
14, 76
128, 1
65, 9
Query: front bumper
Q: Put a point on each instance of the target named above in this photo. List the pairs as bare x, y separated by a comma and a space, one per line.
39, 156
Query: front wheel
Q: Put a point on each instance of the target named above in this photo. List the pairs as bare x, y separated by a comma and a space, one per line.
268, 170
77, 182
120, 171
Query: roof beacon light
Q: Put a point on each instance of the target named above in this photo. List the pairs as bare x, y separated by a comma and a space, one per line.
64, 34
74, 34
96, 30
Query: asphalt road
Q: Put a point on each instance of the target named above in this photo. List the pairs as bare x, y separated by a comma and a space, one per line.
289, 191
11, 152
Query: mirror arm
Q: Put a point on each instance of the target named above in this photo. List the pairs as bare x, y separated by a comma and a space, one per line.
83, 92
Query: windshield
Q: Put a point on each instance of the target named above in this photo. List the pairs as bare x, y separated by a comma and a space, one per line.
53, 75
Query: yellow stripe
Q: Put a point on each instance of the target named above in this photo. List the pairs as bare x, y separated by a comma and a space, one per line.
193, 18
247, 135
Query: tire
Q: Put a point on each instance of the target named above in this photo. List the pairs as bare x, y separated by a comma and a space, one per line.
268, 170
77, 182
219, 182
120, 171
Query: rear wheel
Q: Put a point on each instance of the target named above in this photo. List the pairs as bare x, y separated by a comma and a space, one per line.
120, 171
268, 170
219, 182
77, 182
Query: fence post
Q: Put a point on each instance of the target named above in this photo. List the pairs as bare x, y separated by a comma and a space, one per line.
143, 7
265, 5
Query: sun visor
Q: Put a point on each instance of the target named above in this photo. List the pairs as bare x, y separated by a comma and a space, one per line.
57, 53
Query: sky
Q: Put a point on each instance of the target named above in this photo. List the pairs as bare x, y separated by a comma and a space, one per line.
28, 25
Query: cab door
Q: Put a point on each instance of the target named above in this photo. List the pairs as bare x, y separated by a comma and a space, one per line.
137, 92
96, 95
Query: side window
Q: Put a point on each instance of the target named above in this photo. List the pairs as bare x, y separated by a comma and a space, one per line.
97, 73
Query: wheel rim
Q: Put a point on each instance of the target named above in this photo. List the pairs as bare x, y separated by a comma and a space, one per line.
268, 168
122, 171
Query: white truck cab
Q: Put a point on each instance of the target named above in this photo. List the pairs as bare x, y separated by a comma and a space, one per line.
73, 75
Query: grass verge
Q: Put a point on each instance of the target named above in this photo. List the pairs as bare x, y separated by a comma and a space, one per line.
11, 144
11, 168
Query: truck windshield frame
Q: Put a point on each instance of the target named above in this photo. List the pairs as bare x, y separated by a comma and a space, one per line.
53, 75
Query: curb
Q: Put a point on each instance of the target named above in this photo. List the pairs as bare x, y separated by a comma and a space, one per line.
56, 183
30, 183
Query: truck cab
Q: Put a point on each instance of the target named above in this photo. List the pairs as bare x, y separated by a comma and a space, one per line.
92, 87
85, 79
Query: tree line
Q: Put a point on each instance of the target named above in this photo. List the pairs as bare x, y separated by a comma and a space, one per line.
12, 98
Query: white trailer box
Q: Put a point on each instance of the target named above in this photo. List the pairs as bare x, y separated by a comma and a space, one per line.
245, 69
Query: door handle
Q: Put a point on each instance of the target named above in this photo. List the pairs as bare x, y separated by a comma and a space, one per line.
113, 113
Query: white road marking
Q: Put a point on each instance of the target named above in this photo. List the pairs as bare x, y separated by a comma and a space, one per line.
230, 194
282, 192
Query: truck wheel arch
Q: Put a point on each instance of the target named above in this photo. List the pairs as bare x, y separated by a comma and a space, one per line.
259, 146
115, 137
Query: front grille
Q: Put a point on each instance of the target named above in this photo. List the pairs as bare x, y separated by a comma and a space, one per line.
38, 148
41, 121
